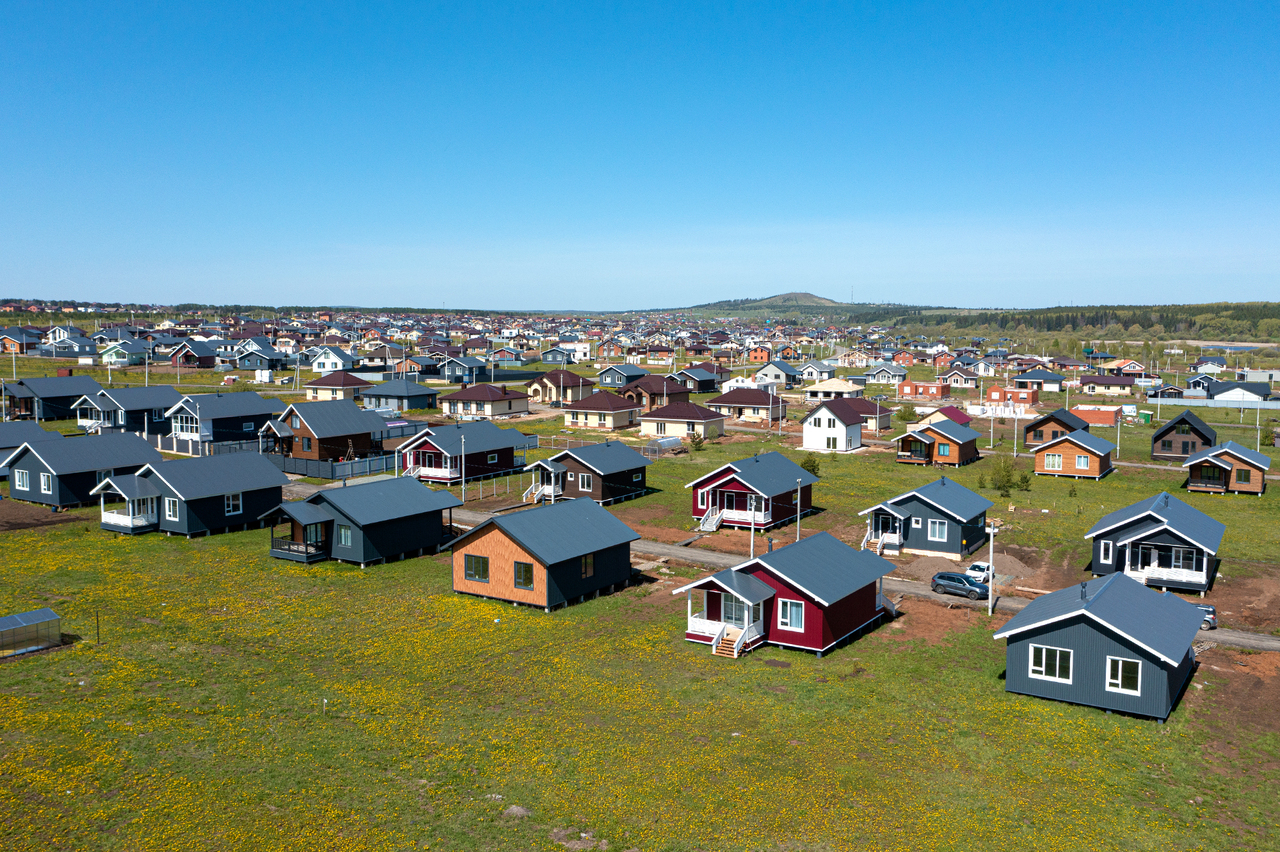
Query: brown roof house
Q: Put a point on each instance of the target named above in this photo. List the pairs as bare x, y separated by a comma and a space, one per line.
336, 385
485, 402
603, 410
682, 420
749, 404
655, 391
559, 386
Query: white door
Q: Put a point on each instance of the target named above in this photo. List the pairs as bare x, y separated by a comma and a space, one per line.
733, 611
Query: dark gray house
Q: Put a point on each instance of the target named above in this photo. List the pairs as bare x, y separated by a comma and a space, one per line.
64, 473
1160, 541
218, 417
556, 355
466, 369
18, 432
941, 519
376, 522
606, 473
620, 375
1108, 643
196, 496
47, 398
140, 410
1182, 437
401, 395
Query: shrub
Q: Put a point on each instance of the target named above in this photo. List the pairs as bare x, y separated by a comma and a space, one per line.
1024, 482
810, 463
696, 441
1002, 474
907, 413
982, 480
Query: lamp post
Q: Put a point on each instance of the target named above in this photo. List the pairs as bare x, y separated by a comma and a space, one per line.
991, 587
799, 486
751, 507
464, 470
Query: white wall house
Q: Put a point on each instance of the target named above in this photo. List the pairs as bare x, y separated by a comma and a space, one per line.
832, 428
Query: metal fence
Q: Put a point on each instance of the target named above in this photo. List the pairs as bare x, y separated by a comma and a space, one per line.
1195, 402
335, 470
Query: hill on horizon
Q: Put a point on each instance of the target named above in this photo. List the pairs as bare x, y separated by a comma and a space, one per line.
782, 300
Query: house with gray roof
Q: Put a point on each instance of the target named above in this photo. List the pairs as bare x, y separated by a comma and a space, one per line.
401, 395
811, 595
1181, 437
607, 473
781, 372
941, 442
141, 410
758, 492
191, 497
474, 449
64, 473
620, 375
15, 433
1108, 643
218, 417
1076, 454
1160, 541
332, 430
942, 518
547, 556
376, 522
1051, 426
47, 397
885, 374
1228, 469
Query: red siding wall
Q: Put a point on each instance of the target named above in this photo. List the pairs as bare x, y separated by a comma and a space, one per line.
822, 626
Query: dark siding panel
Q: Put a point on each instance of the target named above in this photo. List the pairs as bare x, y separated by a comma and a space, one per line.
566, 583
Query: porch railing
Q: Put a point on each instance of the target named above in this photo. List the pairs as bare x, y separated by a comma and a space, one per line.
703, 626
302, 548
124, 519
1207, 483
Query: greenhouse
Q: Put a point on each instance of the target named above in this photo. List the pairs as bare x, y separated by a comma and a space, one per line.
29, 631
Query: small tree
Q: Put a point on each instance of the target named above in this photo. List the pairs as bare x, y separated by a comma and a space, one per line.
1002, 475
810, 463
1024, 482
907, 413
696, 441
982, 480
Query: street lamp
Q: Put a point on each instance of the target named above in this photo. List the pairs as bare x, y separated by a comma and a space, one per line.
991, 586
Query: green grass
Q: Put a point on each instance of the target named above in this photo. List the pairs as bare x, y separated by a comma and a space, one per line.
199, 723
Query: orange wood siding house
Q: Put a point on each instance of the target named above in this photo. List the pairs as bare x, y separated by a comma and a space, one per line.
944, 442
1078, 455
1228, 469
928, 390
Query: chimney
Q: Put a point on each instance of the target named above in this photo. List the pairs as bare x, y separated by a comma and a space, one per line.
1084, 595
770, 544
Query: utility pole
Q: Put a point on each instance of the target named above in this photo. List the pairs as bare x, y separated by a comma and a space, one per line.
464, 472
799, 486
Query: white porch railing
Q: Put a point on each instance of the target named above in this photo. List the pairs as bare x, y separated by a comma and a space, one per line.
887, 605
753, 631
711, 521
704, 626
538, 491
744, 517
124, 519
1176, 575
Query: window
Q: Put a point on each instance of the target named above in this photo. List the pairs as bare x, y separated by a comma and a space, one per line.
1053, 461
937, 530
492, 458
1050, 663
524, 575
247, 426
22, 480
637, 477
917, 523
344, 535
306, 444
584, 482
170, 508
569, 476
231, 504
702, 499
588, 565
944, 449
46, 483
1166, 445
186, 424
295, 421
791, 615
1082, 462
1037, 435
1242, 475
1104, 552
1124, 675
689, 427
157, 415
831, 443
662, 428
476, 568
831, 423
600, 417
1182, 429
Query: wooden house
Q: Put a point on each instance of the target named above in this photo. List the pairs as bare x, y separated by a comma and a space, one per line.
758, 492
1227, 469
944, 442
15, 433
218, 417
603, 410
618, 376
1076, 454
606, 473
1108, 643
925, 390
196, 496
559, 387
47, 397
448, 453
1160, 541
811, 595
548, 556
682, 420
365, 524
1182, 437
465, 369
834, 426
1052, 426
756, 406
401, 395
942, 518
334, 430
485, 402
338, 384
64, 473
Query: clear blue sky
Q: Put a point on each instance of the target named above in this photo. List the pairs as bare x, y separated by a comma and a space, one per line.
610, 156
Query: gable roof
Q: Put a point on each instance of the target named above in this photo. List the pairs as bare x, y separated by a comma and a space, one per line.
335, 418
561, 378
747, 396
1245, 454
740, 585
482, 436
955, 415
609, 457
783, 366
1039, 374
339, 379
402, 389
1192, 420
1161, 623
136, 399
207, 476
947, 495
768, 473
824, 567
682, 411
1093, 443
842, 409
603, 401
949, 429
97, 452
1168, 511
215, 406
15, 433
559, 531
486, 393
53, 387
630, 370
385, 500
1066, 418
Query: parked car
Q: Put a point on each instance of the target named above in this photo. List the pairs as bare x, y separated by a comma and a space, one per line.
980, 571
950, 583
1210, 616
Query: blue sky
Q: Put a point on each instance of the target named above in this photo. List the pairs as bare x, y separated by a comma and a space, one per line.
615, 156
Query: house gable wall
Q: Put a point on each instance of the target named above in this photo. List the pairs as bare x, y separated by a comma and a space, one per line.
503, 553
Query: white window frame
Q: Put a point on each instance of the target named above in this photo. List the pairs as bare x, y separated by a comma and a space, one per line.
1053, 461
584, 482
1041, 674
1106, 552
246, 426
637, 477
171, 512
492, 458
1113, 685
702, 498
46, 483
233, 503
787, 615
917, 523
1081, 457
937, 523
22, 480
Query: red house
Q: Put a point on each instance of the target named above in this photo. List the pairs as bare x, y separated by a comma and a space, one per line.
928, 390
757, 492
811, 595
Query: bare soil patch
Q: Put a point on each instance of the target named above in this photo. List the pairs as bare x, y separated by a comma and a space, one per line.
1244, 690
1247, 603
932, 622
24, 516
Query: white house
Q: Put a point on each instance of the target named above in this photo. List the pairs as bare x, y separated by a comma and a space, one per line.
833, 427
751, 384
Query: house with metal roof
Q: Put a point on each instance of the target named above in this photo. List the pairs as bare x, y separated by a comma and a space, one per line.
191, 497
1076, 454
1160, 541
452, 452
811, 595
548, 556
376, 522
141, 410
558, 387
1227, 469
1107, 643
124, 353
15, 433
833, 389
749, 404
485, 402
653, 391
401, 395
682, 420
194, 354
1039, 379
607, 473
1181, 437
331, 358
697, 379
218, 417
942, 442
942, 518
1052, 426
64, 473
781, 372
834, 426
46, 397
757, 492
817, 371
620, 375
885, 374
338, 384
333, 430
603, 410
466, 369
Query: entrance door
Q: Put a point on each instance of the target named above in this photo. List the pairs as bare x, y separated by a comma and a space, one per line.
884, 524
733, 611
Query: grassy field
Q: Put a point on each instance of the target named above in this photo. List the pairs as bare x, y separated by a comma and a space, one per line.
200, 723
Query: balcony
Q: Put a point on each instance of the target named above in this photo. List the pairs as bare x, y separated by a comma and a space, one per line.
1198, 484
125, 521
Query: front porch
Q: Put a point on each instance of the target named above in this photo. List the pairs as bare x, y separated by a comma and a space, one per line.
1171, 567
307, 534
548, 481
728, 613
133, 508
915, 449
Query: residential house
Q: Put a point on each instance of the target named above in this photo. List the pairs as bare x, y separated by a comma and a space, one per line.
834, 426
1160, 541
1227, 469
606, 473
194, 354
1107, 385
124, 353
401, 395
925, 390
218, 417
832, 389
15, 433
885, 374
942, 518
756, 406
946, 412
620, 375
1052, 426
697, 380
376, 522
758, 492
64, 473
132, 409
465, 369
875, 415
547, 556
996, 395
682, 420
817, 371
485, 402
1076, 454
944, 442
759, 355
811, 595
959, 377
1242, 392
781, 372
559, 387
47, 398
196, 496
1039, 380
557, 355
655, 392
1108, 643
332, 359
1182, 437
332, 430
478, 449
603, 410
337, 385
